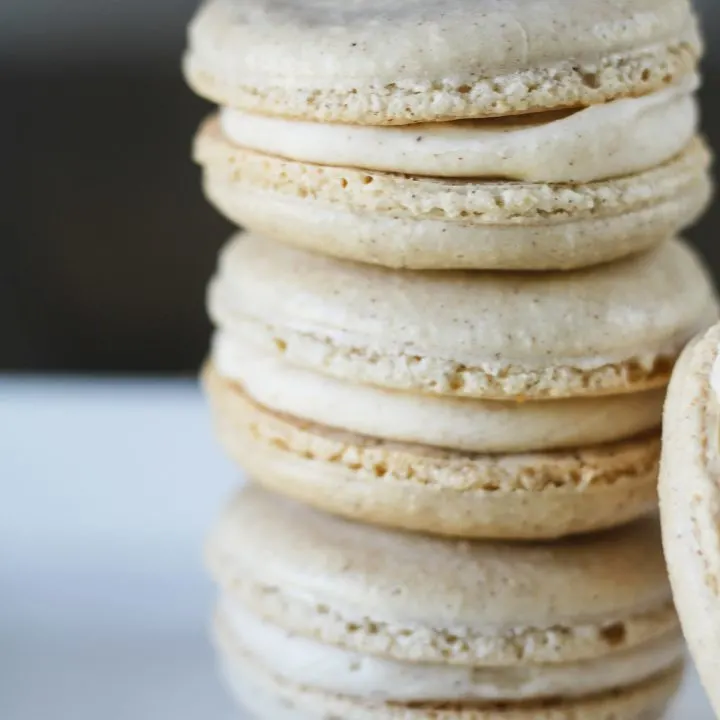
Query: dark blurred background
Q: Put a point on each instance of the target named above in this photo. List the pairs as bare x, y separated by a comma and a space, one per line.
106, 242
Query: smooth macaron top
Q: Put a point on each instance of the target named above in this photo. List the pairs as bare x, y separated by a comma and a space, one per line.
375, 62
394, 577
415, 598
613, 328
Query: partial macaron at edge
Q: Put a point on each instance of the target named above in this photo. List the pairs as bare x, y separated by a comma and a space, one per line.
690, 502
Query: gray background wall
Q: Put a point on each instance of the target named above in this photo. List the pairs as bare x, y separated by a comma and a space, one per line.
106, 243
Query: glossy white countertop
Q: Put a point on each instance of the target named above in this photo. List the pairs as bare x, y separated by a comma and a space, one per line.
108, 488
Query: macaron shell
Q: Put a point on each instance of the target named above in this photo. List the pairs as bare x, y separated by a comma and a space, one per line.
489, 335
270, 698
424, 223
485, 590
381, 64
690, 503
528, 496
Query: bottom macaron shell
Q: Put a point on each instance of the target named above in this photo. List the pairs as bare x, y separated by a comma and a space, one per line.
690, 502
404, 243
531, 496
423, 223
270, 698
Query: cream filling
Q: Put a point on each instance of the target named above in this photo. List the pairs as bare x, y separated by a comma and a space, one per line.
306, 662
465, 424
602, 141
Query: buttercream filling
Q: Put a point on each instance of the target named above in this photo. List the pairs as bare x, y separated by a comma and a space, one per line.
465, 424
618, 138
306, 662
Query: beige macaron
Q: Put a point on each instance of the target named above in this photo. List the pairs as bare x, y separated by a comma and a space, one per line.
467, 135
363, 392
327, 618
690, 501
612, 329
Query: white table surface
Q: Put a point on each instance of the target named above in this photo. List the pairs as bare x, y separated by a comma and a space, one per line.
108, 488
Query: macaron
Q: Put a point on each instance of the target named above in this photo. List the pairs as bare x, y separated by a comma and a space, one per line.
394, 398
690, 501
530, 136
319, 618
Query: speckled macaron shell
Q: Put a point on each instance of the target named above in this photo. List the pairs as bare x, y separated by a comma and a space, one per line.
612, 329
423, 599
296, 582
415, 487
424, 223
381, 63
270, 698
690, 502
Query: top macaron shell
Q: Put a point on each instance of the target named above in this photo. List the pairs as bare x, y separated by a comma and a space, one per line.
374, 62
690, 501
555, 600
612, 329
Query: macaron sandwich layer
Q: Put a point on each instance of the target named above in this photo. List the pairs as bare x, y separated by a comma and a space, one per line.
329, 616
569, 140
472, 404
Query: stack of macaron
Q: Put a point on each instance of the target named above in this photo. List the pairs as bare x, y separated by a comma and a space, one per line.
456, 313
